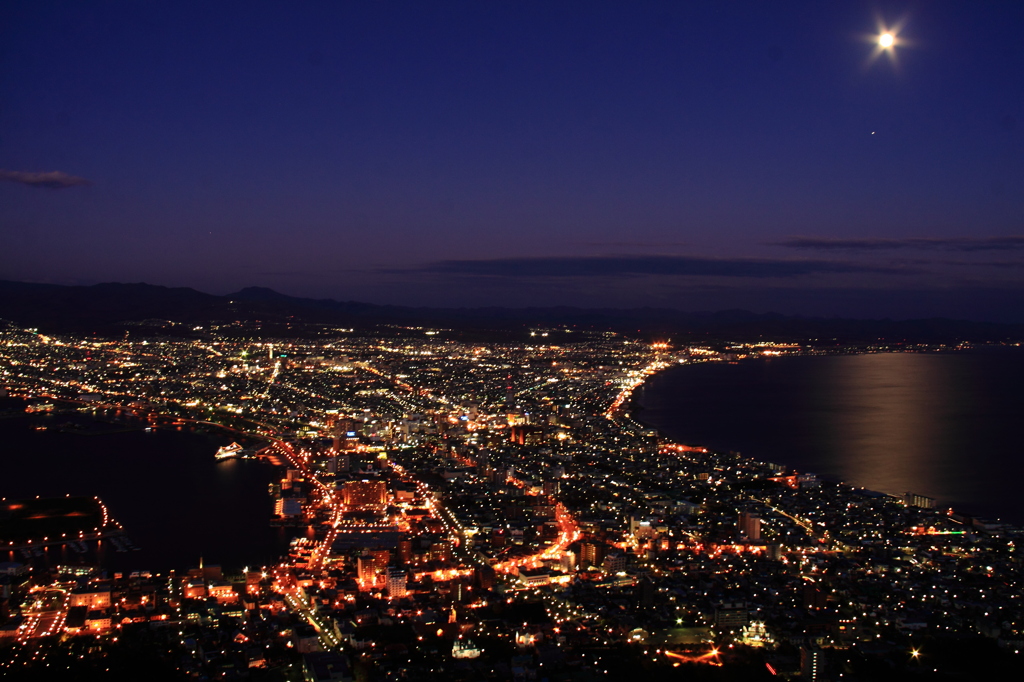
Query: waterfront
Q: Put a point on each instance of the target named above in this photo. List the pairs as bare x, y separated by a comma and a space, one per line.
946, 425
174, 500
427, 506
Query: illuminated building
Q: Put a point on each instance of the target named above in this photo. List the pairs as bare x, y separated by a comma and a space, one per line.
812, 663
288, 507
534, 577
252, 581
97, 621
749, 526
465, 649
591, 554
614, 563
808, 480
222, 591
366, 567
365, 495
363, 536
405, 550
91, 597
441, 551
195, 590
915, 500
731, 616
396, 583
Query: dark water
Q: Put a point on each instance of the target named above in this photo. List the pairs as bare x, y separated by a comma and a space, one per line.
949, 425
174, 500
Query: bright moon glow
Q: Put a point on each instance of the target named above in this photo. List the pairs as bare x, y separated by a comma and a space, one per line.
886, 40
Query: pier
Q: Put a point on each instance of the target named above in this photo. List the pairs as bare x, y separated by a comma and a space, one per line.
50, 542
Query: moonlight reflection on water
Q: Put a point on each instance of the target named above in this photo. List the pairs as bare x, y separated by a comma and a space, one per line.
943, 425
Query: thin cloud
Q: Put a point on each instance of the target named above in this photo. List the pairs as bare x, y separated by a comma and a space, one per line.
1010, 243
647, 245
1006, 264
612, 266
50, 180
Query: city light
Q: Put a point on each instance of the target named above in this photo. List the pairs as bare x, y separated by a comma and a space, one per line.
442, 487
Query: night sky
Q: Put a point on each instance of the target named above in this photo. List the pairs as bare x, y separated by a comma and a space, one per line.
692, 155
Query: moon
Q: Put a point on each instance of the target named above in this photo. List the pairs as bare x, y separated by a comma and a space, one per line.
886, 40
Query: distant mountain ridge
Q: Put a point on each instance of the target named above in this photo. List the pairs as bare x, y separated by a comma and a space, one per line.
109, 308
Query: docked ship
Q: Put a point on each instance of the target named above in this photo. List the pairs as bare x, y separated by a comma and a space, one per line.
229, 451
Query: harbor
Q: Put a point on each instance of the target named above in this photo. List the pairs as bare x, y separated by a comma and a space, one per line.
151, 482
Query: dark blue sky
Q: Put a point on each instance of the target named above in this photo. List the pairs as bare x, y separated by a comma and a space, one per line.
688, 155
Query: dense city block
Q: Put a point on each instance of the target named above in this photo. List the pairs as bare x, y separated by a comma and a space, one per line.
483, 511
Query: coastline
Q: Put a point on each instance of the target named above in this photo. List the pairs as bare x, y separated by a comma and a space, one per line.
150, 482
639, 409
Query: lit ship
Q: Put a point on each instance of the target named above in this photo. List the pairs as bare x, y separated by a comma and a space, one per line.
229, 451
